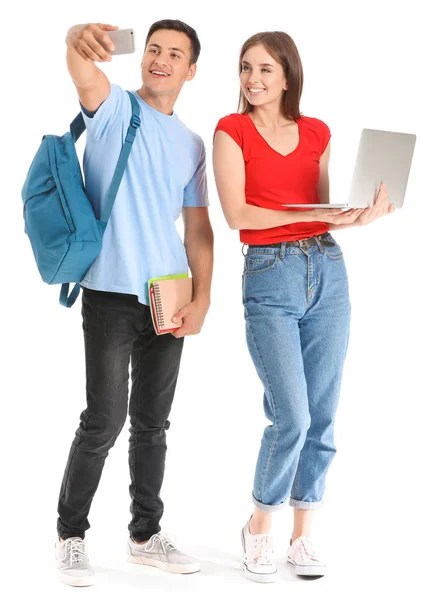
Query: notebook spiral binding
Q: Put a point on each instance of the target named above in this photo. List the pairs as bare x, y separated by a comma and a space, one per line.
158, 304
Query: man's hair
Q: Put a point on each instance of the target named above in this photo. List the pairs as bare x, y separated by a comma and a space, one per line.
176, 25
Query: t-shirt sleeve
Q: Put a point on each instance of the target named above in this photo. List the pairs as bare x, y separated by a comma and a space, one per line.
196, 191
324, 136
231, 126
108, 113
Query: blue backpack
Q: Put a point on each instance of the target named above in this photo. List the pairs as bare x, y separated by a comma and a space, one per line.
64, 232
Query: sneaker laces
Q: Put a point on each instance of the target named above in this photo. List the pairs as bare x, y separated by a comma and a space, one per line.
165, 541
305, 548
262, 551
76, 549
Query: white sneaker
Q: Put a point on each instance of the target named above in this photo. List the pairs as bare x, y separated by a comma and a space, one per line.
258, 556
160, 552
73, 564
303, 557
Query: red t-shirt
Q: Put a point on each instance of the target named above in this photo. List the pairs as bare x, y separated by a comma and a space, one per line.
273, 179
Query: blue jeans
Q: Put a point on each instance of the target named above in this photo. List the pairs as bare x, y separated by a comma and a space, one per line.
297, 312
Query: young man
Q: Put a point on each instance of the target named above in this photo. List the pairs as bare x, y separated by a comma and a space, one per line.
165, 176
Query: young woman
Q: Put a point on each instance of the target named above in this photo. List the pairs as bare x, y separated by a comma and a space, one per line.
295, 289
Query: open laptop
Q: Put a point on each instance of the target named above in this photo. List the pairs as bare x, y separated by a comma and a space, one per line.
383, 157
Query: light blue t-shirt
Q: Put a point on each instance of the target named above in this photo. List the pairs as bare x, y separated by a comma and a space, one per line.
166, 171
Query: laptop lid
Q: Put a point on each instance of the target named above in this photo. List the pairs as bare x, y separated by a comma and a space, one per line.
383, 156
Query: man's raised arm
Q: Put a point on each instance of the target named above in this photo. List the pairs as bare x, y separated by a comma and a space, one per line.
85, 45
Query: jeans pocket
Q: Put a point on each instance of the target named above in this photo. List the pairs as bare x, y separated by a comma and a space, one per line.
333, 252
255, 264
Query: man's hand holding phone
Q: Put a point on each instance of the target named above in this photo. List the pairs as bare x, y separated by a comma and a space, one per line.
91, 41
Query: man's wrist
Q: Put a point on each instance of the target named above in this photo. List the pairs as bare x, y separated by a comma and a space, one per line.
203, 300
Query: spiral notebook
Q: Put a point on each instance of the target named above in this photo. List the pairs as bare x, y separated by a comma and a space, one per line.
167, 296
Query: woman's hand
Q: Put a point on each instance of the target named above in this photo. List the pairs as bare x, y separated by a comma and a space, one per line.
381, 208
336, 216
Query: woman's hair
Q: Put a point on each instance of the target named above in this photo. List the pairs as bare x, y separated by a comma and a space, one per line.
283, 49
176, 25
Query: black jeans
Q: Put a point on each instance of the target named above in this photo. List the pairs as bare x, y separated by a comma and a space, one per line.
117, 330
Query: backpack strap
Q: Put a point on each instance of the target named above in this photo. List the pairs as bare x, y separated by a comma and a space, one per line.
66, 300
123, 158
77, 128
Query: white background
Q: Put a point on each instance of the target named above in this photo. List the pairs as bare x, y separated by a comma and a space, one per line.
363, 68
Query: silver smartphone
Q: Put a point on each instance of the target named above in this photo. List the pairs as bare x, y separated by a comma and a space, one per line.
124, 41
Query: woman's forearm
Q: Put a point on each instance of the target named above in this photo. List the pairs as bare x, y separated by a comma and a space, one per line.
254, 217
334, 227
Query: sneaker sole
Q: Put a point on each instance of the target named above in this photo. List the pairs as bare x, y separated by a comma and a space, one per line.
308, 570
170, 568
260, 577
77, 581
257, 577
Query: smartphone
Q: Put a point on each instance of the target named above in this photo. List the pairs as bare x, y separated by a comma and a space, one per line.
123, 40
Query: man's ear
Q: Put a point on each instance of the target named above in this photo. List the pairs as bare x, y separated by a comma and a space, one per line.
191, 72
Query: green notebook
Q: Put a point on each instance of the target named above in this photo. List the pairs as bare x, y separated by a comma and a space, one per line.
178, 276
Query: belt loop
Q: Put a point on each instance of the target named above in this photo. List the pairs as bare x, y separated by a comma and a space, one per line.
242, 250
318, 241
282, 250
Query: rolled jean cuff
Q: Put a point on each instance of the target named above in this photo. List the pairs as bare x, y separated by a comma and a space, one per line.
305, 505
268, 507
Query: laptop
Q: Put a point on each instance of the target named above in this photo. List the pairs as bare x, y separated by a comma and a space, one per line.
383, 157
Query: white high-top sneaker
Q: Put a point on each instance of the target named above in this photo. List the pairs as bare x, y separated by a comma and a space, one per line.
72, 562
303, 557
258, 556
